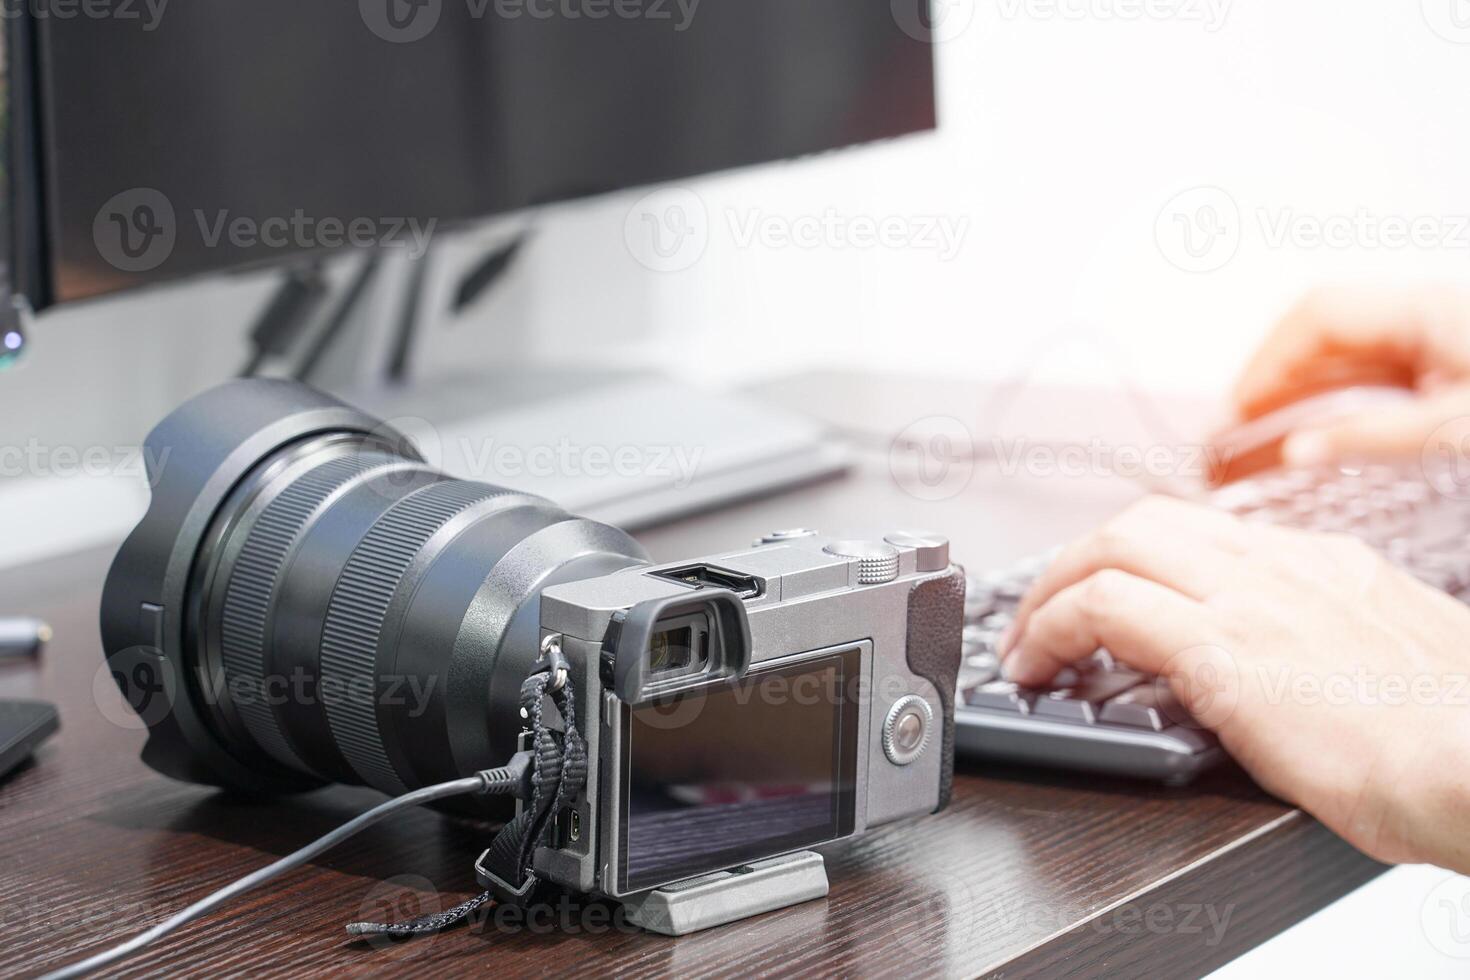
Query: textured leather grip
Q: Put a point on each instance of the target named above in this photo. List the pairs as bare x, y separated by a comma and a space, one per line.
936, 627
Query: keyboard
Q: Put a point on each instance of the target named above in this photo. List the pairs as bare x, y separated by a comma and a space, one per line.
1103, 717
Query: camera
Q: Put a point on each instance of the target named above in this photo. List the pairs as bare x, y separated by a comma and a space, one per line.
306, 601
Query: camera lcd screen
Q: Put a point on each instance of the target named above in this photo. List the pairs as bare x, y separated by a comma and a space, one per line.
739, 771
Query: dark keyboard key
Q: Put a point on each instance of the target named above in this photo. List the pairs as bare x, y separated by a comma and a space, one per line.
1152, 706
975, 671
1001, 696
1081, 701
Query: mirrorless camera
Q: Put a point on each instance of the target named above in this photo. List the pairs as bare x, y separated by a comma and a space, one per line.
307, 601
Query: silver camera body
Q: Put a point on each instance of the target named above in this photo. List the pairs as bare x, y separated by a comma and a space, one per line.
753, 704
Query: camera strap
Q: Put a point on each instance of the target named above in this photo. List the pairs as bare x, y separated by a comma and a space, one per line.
558, 775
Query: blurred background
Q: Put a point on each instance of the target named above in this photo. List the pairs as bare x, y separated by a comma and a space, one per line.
1117, 193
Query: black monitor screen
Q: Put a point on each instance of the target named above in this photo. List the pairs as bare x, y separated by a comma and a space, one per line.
730, 774
181, 137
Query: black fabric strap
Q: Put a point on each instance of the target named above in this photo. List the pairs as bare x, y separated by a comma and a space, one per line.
423, 925
558, 776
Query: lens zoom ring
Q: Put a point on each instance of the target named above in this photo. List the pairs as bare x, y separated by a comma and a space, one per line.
359, 604
252, 586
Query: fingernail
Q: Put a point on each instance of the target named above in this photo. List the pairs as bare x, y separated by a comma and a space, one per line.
1007, 640
1015, 667
1306, 449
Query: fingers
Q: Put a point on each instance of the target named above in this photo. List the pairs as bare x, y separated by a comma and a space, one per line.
1182, 546
1143, 624
1336, 337
1398, 430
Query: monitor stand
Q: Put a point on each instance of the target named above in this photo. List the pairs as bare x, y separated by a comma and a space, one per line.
632, 450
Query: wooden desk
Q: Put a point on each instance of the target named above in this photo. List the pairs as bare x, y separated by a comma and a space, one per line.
1024, 874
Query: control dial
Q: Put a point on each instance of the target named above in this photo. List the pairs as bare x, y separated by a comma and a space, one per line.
877, 562
906, 729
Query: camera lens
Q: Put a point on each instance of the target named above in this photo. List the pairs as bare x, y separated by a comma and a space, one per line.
335, 610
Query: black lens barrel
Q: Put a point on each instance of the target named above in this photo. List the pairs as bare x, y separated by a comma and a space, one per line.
345, 613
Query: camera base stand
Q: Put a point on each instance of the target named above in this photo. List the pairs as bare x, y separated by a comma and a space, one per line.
713, 900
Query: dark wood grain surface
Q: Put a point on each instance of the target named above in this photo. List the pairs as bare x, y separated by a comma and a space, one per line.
1025, 874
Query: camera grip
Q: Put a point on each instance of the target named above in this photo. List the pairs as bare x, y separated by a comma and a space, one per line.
935, 628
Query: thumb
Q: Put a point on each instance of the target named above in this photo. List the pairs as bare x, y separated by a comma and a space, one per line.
1396, 430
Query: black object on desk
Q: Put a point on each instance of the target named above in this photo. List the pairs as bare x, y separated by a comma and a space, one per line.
24, 725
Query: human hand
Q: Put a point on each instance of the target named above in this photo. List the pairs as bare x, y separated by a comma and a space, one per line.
1337, 681
1416, 338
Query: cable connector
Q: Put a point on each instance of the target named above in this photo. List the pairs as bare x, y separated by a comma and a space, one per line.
513, 778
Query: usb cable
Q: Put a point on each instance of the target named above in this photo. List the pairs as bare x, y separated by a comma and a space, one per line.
513, 778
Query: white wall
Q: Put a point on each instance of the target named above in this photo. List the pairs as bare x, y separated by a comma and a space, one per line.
1063, 140
1067, 126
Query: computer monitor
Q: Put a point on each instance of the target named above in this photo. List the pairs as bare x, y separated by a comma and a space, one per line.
149, 141
141, 132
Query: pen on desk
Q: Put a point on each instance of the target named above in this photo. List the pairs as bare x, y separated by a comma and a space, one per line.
22, 636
